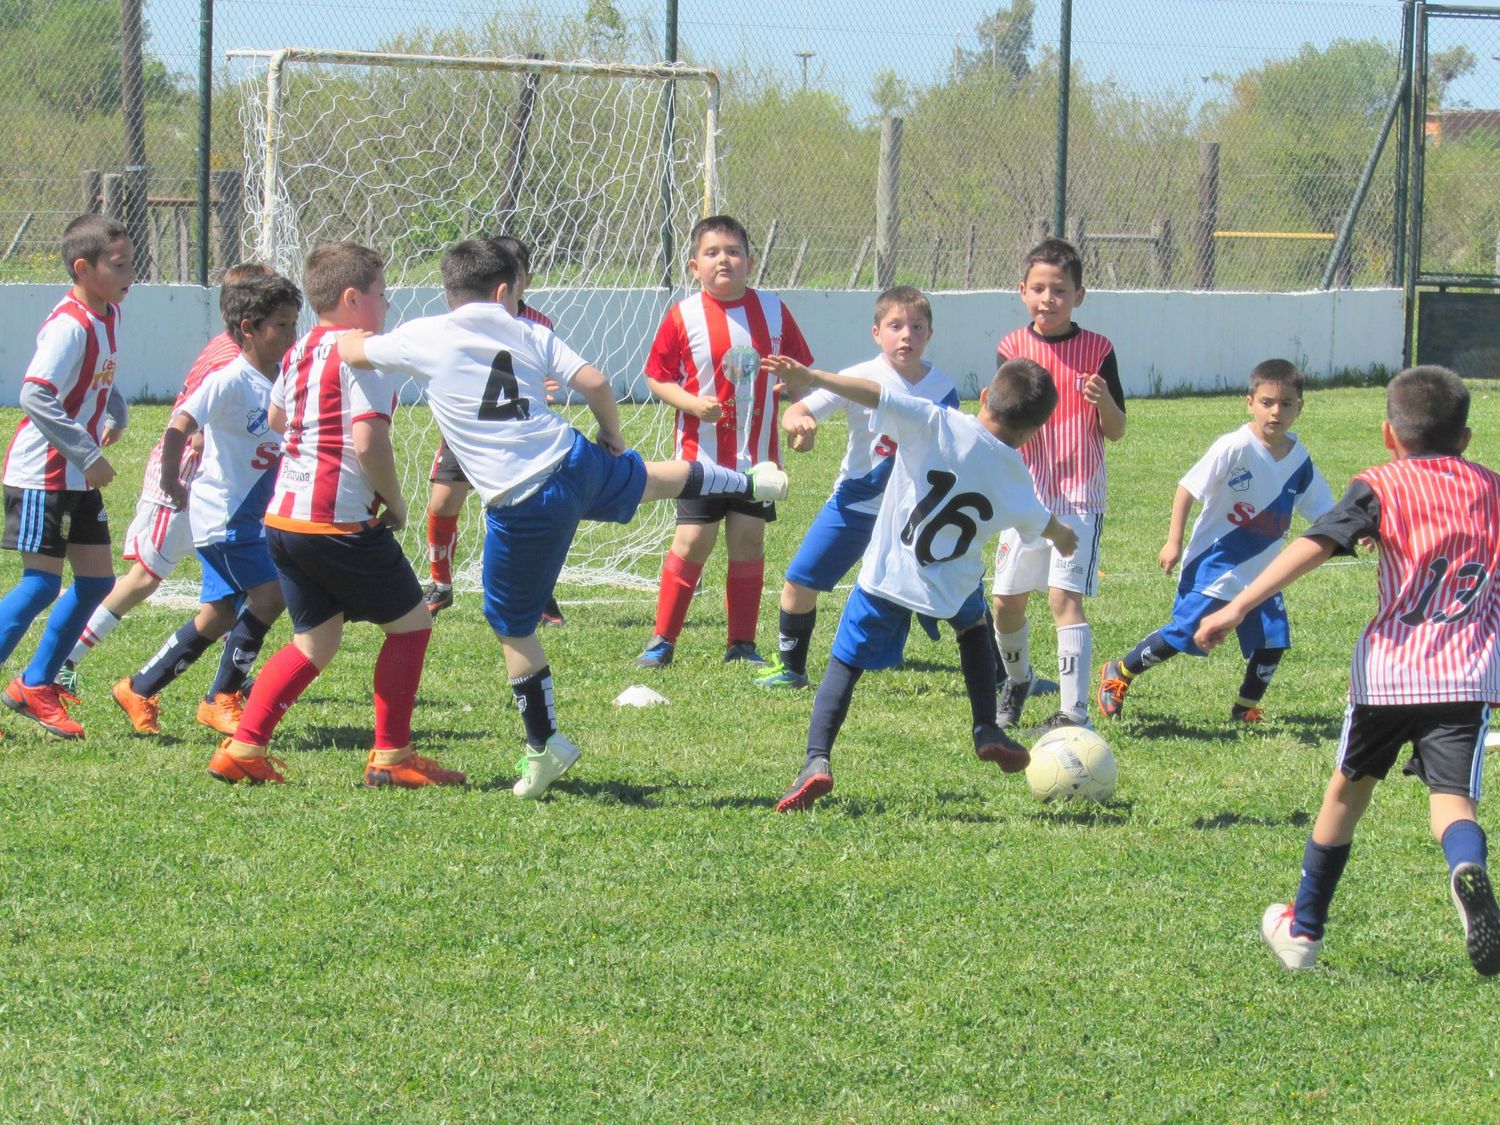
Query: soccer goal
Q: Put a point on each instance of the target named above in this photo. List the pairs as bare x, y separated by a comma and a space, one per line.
601, 169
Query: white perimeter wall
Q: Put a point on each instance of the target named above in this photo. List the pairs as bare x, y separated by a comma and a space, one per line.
1165, 341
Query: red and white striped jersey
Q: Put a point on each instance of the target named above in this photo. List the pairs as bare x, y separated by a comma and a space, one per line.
689, 350
75, 359
1066, 456
531, 314
218, 353
1436, 636
320, 487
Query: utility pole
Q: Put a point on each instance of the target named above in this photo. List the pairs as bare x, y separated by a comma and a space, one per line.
804, 56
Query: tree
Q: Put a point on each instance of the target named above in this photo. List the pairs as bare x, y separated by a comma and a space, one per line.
1005, 40
890, 93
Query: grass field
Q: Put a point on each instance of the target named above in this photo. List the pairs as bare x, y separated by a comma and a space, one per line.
653, 943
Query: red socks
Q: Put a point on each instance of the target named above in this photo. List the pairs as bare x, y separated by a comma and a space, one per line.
398, 671
442, 539
283, 678
679, 578
742, 591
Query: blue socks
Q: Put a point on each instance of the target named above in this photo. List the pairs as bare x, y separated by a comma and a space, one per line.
64, 625
708, 479
241, 648
976, 657
34, 593
831, 706
796, 630
1149, 653
533, 694
1464, 842
1258, 672
171, 660
1321, 867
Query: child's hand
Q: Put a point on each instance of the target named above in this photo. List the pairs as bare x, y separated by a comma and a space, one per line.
1171, 553
1064, 538
1093, 388
394, 514
553, 386
175, 492
708, 409
611, 441
111, 435
801, 432
1215, 627
99, 474
791, 373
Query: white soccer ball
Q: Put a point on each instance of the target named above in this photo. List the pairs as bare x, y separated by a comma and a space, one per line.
1069, 763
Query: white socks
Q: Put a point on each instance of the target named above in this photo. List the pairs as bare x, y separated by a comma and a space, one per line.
1075, 662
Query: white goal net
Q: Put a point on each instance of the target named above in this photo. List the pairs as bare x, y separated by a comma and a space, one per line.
600, 169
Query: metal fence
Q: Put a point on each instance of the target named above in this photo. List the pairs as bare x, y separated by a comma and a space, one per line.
1208, 143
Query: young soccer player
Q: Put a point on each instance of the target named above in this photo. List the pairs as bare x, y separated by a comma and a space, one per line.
55, 467
841, 531
241, 595
1249, 483
484, 370
330, 527
686, 371
450, 488
956, 480
1066, 459
1427, 667
159, 536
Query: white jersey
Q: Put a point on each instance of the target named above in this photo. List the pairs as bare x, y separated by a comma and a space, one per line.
240, 455
1248, 498
867, 459
218, 353
953, 485
484, 372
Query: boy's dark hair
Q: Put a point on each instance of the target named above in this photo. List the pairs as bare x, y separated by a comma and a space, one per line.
903, 296
1428, 407
336, 266
474, 268
719, 224
1022, 394
254, 298
1281, 371
1056, 252
88, 237
237, 275
521, 251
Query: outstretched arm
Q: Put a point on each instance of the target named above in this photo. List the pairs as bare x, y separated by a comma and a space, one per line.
798, 377
1300, 557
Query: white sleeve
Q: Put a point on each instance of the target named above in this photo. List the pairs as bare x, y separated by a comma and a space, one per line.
1210, 470
200, 405
1317, 499
823, 404
389, 352
563, 363
58, 356
904, 416
372, 394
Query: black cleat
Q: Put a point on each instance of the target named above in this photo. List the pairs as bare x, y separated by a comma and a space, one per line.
815, 780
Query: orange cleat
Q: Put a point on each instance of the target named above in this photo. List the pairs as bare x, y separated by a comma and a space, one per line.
1242, 714
142, 710
222, 712
229, 769
411, 772
47, 705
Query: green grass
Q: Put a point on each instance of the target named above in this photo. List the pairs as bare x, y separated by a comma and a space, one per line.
653, 943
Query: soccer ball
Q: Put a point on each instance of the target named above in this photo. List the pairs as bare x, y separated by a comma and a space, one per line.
1071, 762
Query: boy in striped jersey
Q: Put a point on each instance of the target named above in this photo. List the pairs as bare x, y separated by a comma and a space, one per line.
1426, 668
1066, 460
55, 467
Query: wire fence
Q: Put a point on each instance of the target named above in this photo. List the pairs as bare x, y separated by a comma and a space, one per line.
1209, 143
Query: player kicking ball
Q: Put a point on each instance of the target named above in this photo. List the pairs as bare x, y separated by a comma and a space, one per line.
956, 481
485, 370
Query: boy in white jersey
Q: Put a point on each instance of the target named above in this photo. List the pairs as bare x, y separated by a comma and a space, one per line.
841, 530
485, 371
241, 596
1427, 667
956, 480
159, 536
55, 467
1249, 483
1066, 459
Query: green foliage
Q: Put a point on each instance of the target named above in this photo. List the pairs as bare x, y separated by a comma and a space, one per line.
1005, 42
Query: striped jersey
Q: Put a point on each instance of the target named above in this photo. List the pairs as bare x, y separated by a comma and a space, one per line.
866, 467
75, 359
1435, 637
320, 487
689, 350
240, 454
219, 352
1066, 456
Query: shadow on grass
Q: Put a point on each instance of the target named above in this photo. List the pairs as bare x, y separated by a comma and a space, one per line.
603, 792
1311, 730
1114, 814
1173, 728
1298, 819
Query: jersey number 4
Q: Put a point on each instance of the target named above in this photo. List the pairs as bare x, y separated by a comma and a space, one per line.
1455, 603
502, 400
954, 514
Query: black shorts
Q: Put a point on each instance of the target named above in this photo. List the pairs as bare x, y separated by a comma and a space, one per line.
712, 509
362, 574
445, 467
46, 521
1447, 741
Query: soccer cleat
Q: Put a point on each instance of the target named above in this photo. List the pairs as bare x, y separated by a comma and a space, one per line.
142, 711
47, 705
1061, 719
540, 768
778, 675
991, 744
230, 769
69, 679
768, 482
222, 712
658, 654
412, 772
1040, 685
745, 650
553, 614
1112, 688
437, 598
815, 780
1292, 950
1474, 899
1013, 695
1241, 714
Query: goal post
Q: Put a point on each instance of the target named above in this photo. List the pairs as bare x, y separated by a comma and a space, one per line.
600, 168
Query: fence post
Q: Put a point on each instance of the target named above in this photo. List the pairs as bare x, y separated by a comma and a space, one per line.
228, 208
888, 203
796, 276
1208, 215
969, 256
765, 255
1161, 230
937, 260
92, 186
859, 261
112, 195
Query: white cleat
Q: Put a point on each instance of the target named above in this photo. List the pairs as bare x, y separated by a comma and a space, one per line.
768, 481
540, 768
1292, 951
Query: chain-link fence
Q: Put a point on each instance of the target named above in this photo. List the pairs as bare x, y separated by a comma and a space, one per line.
1209, 143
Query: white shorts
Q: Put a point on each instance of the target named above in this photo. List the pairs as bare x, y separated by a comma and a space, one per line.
1022, 566
158, 538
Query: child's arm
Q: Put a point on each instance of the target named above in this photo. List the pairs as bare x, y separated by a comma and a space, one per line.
1171, 553
800, 426
1063, 537
179, 429
372, 446
116, 417
1301, 556
705, 408
599, 397
795, 375
1100, 390
65, 434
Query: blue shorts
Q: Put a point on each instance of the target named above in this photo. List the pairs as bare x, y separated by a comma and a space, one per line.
1266, 626
872, 631
231, 569
526, 544
363, 575
833, 544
